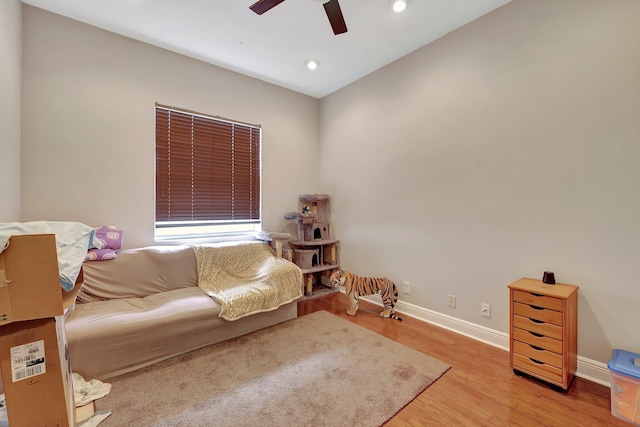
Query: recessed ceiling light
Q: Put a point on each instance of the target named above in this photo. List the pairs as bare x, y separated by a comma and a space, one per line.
399, 5
312, 64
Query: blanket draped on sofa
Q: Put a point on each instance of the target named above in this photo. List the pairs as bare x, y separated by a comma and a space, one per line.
246, 278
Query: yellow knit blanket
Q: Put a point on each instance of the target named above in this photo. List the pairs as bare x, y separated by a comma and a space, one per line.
246, 278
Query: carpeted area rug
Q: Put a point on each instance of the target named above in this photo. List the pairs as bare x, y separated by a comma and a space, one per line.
316, 370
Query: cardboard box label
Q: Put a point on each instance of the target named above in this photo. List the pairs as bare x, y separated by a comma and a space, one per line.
27, 361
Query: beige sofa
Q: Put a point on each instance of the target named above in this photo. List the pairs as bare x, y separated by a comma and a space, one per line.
145, 306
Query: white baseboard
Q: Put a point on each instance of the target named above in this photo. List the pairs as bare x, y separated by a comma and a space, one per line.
588, 369
468, 329
593, 370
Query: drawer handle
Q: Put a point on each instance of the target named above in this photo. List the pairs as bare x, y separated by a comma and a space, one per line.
535, 347
535, 320
536, 295
536, 307
536, 361
535, 334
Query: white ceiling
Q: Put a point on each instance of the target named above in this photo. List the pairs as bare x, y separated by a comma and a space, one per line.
273, 46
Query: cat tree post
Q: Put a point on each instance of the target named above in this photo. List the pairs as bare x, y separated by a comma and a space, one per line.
275, 239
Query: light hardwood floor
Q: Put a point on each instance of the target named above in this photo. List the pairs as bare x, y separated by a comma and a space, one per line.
480, 389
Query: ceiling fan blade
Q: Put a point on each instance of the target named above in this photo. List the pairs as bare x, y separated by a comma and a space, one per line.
261, 6
334, 13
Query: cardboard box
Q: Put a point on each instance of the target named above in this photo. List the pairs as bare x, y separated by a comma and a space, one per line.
36, 373
625, 385
65, 364
29, 279
34, 361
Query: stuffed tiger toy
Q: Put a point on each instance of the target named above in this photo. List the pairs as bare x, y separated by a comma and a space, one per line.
356, 286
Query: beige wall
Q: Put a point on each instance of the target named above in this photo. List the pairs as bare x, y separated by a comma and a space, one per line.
508, 147
88, 125
10, 106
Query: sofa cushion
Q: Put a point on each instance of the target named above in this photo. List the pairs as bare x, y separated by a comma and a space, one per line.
110, 338
139, 272
138, 330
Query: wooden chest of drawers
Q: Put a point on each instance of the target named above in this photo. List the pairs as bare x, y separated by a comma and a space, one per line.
544, 330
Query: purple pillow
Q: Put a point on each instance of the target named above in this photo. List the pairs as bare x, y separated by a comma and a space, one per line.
100, 254
111, 239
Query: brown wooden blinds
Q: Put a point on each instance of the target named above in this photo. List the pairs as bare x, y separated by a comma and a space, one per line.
207, 170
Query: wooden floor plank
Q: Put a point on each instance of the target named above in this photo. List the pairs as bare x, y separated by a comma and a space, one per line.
480, 389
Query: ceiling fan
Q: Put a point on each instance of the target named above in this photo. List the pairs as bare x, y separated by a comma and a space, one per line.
331, 7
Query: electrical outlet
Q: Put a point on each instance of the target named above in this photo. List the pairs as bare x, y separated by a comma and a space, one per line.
485, 310
406, 288
452, 301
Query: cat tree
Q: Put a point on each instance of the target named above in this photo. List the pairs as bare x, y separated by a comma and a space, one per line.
315, 250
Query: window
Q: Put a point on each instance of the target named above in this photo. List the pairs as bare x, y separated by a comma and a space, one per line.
207, 175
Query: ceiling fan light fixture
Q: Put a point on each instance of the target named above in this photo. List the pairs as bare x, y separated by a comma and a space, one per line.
398, 5
311, 63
